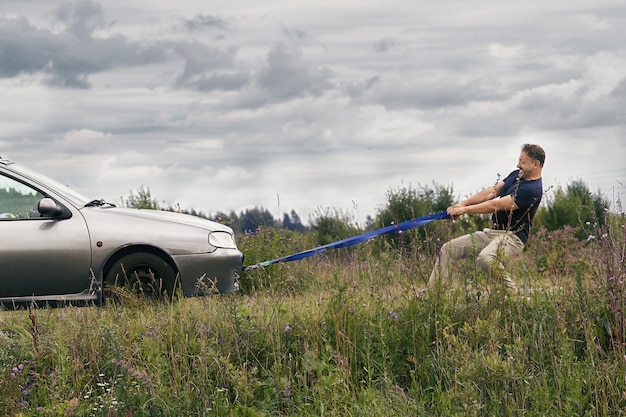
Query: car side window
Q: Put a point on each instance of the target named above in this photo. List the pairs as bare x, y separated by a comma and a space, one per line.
17, 200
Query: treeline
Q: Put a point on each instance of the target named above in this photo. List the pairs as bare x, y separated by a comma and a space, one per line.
247, 221
573, 205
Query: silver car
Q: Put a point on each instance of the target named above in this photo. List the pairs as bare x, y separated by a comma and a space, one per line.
59, 246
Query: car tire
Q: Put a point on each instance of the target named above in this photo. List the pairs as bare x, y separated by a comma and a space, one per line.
146, 274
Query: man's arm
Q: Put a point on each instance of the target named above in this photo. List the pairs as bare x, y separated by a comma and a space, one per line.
484, 202
486, 207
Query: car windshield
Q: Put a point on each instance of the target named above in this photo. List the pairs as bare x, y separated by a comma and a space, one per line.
73, 196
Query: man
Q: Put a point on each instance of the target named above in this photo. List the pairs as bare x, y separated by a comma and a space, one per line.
513, 203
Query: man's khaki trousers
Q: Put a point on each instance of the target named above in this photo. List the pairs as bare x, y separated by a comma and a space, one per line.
491, 247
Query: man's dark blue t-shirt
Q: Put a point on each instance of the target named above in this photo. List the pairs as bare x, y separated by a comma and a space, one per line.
527, 196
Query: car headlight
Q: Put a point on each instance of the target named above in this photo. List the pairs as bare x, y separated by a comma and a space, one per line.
222, 240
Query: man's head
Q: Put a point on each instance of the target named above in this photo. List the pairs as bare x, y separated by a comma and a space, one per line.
535, 152
531, 161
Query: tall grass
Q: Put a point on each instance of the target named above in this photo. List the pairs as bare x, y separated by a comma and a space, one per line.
347, 333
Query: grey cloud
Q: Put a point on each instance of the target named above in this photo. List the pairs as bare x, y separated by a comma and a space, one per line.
356, 89
619, 91
201, 61
384, 45
599, 113
217, 81
25, 49
203, 21
295, 35
426, 93
17, 38
288, 75
81, 17
66, 58
541, 111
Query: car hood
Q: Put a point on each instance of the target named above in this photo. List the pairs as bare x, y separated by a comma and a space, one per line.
157, 216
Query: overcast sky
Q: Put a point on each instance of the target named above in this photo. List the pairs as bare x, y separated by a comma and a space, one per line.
308, 105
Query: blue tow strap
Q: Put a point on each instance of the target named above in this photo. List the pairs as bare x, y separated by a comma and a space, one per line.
400, 227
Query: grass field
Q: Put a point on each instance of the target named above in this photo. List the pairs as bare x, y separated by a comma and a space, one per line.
349, 333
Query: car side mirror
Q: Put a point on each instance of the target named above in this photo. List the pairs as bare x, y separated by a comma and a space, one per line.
47, 207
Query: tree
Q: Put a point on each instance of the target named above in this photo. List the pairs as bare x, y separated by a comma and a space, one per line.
252, 219
293, 222
332, 225
142, 200
574, 206
406, 203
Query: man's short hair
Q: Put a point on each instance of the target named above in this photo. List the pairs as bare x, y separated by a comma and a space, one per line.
535, 152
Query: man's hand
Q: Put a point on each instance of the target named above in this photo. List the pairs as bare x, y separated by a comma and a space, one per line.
456, 210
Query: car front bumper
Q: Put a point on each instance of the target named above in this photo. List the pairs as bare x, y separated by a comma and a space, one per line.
210, 273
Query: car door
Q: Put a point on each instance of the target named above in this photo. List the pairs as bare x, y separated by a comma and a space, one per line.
39, 255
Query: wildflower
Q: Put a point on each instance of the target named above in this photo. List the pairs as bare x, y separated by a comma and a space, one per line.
25, 392
20, 366
14, 369
590, 238
287, 329
393, 315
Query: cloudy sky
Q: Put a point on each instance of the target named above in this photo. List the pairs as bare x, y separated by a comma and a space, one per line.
308, 105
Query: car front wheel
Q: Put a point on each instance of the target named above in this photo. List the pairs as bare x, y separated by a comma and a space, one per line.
144, 273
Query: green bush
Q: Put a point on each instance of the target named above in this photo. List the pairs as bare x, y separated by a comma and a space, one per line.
574, 206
